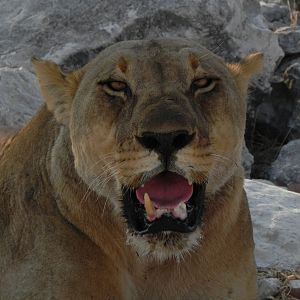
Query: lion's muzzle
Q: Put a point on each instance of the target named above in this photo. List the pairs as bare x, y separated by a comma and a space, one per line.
165, 144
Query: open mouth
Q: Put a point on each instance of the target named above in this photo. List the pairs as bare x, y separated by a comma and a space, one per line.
166, 202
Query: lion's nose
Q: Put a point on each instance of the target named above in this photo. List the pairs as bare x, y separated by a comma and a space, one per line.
165, 143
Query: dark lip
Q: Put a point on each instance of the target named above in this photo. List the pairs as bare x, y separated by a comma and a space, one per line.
134, 213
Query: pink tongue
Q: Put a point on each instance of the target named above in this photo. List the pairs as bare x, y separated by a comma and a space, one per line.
166, 190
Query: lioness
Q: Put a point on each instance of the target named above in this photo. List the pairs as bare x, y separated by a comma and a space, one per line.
128, 183
6, 134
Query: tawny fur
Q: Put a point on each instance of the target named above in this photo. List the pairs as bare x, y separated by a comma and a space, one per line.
62, 232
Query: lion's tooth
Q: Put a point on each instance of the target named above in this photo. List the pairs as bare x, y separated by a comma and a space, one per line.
149, 207
180, 211
159, 212
190, 182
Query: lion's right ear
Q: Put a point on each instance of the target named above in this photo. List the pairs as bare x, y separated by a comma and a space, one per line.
58, 89
244, 70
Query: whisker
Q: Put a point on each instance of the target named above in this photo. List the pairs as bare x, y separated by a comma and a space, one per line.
110, 170
225, 158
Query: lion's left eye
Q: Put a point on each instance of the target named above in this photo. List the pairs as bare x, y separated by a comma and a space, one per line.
204, 85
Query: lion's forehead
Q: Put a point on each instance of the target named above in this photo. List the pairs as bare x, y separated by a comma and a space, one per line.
154, 56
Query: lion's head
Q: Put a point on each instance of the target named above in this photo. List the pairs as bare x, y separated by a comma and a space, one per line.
155, 127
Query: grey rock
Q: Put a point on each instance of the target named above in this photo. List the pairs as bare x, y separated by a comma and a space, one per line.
265, 112
276, 221
295, 284
276, 117
294, 122
19, 96
295, 288
282, 2
281, 110
276, 14
267, 287
289, 39
265, 181
286, 168
291, 78
78, 29
247, 161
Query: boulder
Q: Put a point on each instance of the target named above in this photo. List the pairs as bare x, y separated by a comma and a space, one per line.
285, 170
267, 287
291, 78
289, 39
19, 96
294, 122
276, 14
73, 28
276, 221
295, 288
276, 118
247, 161
281, 2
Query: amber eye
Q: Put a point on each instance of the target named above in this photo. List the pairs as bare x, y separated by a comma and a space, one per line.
203, 85
116, 86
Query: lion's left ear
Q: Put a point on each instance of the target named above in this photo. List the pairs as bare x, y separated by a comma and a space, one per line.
244, 70
58, 89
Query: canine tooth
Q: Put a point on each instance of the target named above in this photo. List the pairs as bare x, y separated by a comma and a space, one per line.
150, 209
190, 182
143, 185
180, 211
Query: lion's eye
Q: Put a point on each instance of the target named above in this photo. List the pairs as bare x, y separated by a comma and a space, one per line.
203, 85
116, 86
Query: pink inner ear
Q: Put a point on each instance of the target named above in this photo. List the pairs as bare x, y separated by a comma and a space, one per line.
166, 190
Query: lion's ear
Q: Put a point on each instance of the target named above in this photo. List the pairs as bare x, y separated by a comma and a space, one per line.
58, 89
243, 71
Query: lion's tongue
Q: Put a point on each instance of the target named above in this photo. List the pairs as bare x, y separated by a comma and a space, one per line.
166, 190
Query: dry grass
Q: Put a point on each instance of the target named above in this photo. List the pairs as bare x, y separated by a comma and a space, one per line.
285, 277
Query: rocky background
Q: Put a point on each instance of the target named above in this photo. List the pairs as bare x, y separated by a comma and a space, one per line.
71, 32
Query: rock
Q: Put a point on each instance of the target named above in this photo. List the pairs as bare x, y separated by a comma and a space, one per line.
282, 2
276, 221
247, 161
294, 122
289, 39
19, 96
271, 120
71, 28
267, 287
295, 293
291, 78
276, 14
286, 168
295, 288
295, 284
294, 187
276, 118
265, 181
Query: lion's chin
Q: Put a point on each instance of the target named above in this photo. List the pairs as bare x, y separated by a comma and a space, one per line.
166, 245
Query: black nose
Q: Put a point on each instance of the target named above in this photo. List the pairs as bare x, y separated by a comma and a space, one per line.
165, 143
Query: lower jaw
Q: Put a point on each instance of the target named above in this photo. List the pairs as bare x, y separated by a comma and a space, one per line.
138, 223
164, 245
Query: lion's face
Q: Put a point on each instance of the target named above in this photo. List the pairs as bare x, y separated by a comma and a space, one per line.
156, 127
